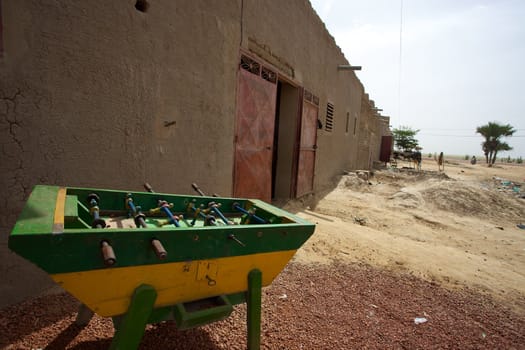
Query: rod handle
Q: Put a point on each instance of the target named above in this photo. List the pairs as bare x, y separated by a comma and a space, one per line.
197, 189
108, 254
148, 187
158, 248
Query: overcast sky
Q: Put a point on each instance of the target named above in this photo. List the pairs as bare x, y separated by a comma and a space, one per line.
462, 64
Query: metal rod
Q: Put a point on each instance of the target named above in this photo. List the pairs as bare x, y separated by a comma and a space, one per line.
198, 211
251, 215
223, 218
148, 187
212, 205
157, 246
197, 189
165, 207
215, 208
232, 236
210, 220
108, 255
196, 214
136, 212
97, 222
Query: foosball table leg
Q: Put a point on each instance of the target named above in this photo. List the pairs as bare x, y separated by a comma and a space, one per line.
253, 304
130, 330
84, 315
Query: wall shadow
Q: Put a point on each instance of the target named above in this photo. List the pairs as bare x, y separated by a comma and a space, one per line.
22, 319
163, 336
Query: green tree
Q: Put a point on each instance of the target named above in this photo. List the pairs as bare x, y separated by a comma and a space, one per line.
493, 132
405, 138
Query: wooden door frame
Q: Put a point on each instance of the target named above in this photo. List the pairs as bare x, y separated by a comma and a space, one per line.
297, 144
298, 141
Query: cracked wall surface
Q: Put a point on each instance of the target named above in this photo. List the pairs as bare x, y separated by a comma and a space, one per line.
98, 94
18, 277
86, 89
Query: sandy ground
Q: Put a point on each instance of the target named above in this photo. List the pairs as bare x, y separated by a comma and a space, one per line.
387, 251
457, 228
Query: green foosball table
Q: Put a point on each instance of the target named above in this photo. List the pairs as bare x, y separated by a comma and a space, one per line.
143, 257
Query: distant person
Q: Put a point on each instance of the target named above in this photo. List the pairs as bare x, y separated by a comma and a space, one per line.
441, 162
416, 157
473, 160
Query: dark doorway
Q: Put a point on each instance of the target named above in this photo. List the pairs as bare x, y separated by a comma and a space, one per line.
285, 140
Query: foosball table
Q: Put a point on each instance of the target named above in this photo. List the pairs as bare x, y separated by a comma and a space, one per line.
146, 257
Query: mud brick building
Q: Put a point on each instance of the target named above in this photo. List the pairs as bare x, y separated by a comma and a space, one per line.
244, 97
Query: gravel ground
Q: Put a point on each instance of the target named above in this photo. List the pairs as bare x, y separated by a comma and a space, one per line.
341, 306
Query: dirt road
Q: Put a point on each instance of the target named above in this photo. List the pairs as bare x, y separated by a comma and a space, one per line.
442, 249
457, 228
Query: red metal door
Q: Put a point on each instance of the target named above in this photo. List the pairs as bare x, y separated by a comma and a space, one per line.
256, 99
306, 163
386, 148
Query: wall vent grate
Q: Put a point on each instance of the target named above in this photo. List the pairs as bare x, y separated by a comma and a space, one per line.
250, 65
329, 124
308, 95
269, 75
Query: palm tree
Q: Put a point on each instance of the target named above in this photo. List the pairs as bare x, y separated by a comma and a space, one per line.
493, 132
502, 146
